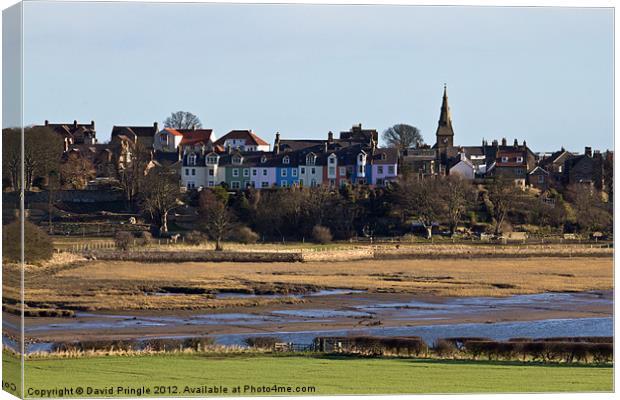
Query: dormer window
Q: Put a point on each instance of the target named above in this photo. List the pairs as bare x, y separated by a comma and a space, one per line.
311, 159
504, 159
212, 159
332, 159
191, 159
263, 159
286, 160
361, 158
519, 159
237, 159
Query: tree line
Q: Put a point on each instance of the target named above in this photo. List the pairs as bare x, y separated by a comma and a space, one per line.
439, 204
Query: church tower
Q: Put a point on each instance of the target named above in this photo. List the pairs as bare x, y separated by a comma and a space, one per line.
445, 133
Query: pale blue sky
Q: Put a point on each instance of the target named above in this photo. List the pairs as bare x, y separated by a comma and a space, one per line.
540, 74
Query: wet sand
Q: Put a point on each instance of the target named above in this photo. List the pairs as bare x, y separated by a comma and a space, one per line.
318, 313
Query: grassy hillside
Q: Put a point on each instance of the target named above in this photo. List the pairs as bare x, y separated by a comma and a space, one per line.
327, 374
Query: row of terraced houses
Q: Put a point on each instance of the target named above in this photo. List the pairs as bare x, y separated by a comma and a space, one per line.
241, 159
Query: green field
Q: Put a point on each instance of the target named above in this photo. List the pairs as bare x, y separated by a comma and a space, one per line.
327, 374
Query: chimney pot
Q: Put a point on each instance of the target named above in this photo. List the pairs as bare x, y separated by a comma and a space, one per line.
156, 126
503, 141
75, 123
588, 151
47, 122
516, 143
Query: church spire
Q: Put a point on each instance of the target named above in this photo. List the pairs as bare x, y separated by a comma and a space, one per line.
445, 119
445, 133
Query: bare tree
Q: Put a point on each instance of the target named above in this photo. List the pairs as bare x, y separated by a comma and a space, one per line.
421, 199
131, 171
458, 195
215, 216
403, 136
42, 151
76, 171
182, 120
160, 195
502, 197
590, 212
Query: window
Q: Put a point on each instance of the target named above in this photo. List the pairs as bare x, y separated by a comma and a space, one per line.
237, 159
332, 160
560, 168
284, 184
379, 182
235, 172
264, 172
254, 172
286, 160
211, 172
303, 170
283, 172
193, 171
504, 159
294, 172
190, 185
186, 171
380, 169
343, 171
211, 183
361, 169
541, 179
191, 159
313, 171
263, 159
264, 184
391, 169
361, 158
332, 171
235, 185
246, 172
519, 159
313, 183
310, 159
212, 160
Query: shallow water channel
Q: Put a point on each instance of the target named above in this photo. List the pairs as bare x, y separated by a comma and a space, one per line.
551, 314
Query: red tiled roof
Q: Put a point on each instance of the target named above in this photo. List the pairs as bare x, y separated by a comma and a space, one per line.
192, 136
249, 136
173, 131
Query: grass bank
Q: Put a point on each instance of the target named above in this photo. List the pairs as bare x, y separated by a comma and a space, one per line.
326, 374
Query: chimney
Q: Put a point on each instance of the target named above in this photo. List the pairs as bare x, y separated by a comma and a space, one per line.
516, 144
524, 144
276, 145
75, 123
330, 137
503, 141
47, 122
494, 143
588, 151
92, 124
156, 127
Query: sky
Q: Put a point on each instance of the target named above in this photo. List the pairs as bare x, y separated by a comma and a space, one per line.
544, 75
